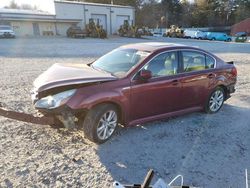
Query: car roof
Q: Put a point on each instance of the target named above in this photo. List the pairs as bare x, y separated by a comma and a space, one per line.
154, 46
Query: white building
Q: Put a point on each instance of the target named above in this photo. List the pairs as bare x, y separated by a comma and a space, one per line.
67, 13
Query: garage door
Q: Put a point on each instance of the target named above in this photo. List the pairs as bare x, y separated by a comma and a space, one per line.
101, 18
120, 20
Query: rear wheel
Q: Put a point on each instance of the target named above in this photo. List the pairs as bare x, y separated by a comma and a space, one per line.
215, 100
100, 123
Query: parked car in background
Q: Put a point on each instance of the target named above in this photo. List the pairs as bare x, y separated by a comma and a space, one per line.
6, 32
158, 34
75, 32
241, 37
189, 34
201, 35
218, 36
134, 84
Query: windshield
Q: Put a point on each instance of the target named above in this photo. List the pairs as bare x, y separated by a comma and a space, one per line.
118, 62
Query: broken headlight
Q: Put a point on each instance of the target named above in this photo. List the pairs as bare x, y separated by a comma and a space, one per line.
54, 101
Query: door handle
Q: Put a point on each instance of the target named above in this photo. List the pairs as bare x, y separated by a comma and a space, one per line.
175, 82
210, 76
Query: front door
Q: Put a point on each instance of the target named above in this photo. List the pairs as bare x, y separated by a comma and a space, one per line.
161, 93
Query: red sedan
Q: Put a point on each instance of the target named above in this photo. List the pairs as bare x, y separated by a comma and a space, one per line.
134, 84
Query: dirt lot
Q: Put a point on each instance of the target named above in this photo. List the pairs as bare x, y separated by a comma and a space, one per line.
208, 150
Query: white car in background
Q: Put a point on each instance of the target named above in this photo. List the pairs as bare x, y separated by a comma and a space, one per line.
194, 34
158, 34
189, 34
6, 32
201, 35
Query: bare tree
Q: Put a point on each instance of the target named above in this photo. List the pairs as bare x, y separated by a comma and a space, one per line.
14, 5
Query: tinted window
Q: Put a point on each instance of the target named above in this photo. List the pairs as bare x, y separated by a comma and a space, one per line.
209, 62
193, 61
165, 64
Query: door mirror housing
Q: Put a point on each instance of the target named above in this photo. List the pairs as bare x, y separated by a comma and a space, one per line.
145, 74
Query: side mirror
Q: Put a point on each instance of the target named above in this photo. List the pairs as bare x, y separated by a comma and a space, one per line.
145, 74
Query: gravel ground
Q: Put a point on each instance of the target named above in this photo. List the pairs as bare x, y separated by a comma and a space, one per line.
208, 150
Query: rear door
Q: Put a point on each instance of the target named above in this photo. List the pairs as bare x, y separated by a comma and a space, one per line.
197, 77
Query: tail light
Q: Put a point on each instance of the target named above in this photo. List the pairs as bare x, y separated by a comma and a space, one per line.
234, 71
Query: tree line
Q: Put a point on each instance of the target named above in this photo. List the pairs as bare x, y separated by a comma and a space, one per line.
186, 13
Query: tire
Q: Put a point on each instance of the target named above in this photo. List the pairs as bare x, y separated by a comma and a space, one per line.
97, 119
213, 38
215, 101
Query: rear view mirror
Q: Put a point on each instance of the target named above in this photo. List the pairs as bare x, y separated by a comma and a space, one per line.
145, 74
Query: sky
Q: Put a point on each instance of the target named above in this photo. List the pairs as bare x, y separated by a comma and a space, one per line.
45, 5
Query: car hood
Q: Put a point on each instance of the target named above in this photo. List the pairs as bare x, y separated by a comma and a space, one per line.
59, 75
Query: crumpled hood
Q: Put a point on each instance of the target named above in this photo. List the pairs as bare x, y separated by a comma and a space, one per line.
69, 74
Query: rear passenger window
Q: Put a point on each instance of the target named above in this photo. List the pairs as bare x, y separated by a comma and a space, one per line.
193, 61
210, 62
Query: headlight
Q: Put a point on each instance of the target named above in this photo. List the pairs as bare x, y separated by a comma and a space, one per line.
54, 101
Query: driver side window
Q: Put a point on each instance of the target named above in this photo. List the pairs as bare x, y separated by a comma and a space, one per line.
165, 64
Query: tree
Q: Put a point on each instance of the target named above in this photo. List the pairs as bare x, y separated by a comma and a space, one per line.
186, 16
149, 14
172, 10
14, 5
243, 10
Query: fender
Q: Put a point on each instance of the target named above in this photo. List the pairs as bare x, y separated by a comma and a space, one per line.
87, 98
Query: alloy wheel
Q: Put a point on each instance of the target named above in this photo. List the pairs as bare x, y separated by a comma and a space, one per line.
216, 100
107, 125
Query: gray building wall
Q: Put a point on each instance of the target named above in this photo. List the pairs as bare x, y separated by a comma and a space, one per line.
109, 16
30, 23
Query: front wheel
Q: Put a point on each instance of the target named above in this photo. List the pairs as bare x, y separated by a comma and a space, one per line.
215, 101
100, 123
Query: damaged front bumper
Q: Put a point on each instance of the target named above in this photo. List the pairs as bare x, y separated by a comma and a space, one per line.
29, 118
54, 117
